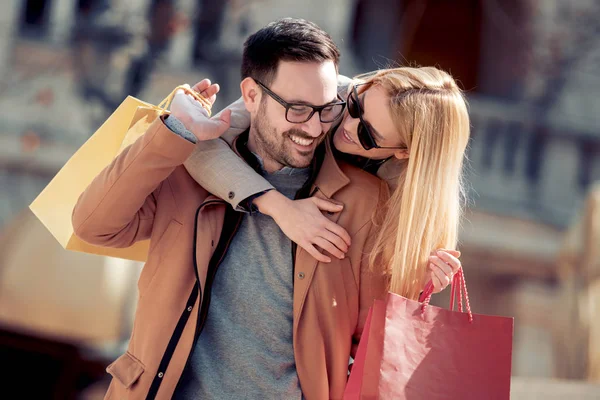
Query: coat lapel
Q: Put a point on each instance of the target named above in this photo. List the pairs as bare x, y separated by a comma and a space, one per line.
328, 182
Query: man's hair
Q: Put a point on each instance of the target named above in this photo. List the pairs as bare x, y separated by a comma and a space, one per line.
287, 39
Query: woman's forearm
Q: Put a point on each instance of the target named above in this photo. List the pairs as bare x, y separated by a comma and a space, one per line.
220, 171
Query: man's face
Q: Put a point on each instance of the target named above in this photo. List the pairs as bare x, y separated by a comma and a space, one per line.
280, 142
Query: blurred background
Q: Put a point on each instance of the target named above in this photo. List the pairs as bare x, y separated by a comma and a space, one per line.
531, 236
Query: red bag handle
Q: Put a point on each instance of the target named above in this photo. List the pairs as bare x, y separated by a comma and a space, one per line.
458, 286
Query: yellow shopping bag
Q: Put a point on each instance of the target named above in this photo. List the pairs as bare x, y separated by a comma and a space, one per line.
54, 205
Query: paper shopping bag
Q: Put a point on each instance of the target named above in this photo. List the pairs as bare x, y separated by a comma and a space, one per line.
416, 351
54, 205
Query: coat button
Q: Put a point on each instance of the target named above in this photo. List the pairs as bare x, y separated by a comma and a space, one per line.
231, 195
301, 275
160, 374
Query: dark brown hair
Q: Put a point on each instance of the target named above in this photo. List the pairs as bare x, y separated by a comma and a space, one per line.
287, 39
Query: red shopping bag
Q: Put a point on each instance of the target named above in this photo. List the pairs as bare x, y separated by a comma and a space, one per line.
415, 351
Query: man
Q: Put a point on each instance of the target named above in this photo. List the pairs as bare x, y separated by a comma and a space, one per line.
228, 307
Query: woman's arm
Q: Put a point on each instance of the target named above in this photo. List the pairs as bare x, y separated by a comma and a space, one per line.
220, 171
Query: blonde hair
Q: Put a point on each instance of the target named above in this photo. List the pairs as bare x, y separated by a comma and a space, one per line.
423, 214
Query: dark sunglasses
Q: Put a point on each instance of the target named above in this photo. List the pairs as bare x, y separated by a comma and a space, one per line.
365, 135
298, 113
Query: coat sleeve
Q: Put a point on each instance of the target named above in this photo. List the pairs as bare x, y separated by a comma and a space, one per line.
117, 209
220, 171
374, 280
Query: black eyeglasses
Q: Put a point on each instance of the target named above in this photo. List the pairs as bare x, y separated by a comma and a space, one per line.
365, 135
298, 113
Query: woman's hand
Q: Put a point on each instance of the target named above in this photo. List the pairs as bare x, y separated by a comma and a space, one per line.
194, 117
303, 222
443, 264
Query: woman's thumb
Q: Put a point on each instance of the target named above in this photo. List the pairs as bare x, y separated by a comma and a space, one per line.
225, 120
455, 253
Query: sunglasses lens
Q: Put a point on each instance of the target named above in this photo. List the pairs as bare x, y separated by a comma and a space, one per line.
364, 137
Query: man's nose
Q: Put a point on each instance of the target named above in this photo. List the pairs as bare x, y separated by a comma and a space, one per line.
314, 127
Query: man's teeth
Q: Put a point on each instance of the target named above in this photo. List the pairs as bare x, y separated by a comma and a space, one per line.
302, 141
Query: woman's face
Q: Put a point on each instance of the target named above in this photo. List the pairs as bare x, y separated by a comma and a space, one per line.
376, 111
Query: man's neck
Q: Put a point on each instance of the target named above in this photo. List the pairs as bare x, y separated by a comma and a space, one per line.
269, 165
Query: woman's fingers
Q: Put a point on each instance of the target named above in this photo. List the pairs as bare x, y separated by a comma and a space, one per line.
211, 92
339, 231
438, 284
445, 268
202, 85
443, 264
206, 89
335, 239
316, 254
455, 253
328, 246
332, 206
450, 260
441, 273
327, 205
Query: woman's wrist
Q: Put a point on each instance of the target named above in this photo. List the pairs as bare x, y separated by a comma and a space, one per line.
271, 203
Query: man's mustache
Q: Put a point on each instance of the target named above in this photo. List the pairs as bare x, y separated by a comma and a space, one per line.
302, 134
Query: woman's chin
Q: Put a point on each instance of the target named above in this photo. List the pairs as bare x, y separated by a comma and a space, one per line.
342, 145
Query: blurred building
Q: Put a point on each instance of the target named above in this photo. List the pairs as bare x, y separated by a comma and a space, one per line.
64, 316
529, 70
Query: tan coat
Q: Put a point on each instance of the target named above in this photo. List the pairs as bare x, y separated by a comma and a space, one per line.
147, 193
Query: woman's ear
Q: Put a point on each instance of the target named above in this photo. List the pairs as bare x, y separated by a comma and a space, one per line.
401, 154
250, 94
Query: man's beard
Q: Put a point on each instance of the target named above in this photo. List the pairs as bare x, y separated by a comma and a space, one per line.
278, 147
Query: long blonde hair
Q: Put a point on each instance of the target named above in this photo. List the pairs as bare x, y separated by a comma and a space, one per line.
423, 214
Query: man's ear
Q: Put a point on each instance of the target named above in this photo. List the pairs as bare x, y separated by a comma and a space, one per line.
251, 94
401, 154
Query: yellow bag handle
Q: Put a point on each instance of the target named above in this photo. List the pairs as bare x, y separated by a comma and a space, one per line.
163, 105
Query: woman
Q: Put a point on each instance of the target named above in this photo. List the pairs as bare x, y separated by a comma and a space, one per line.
410, 126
